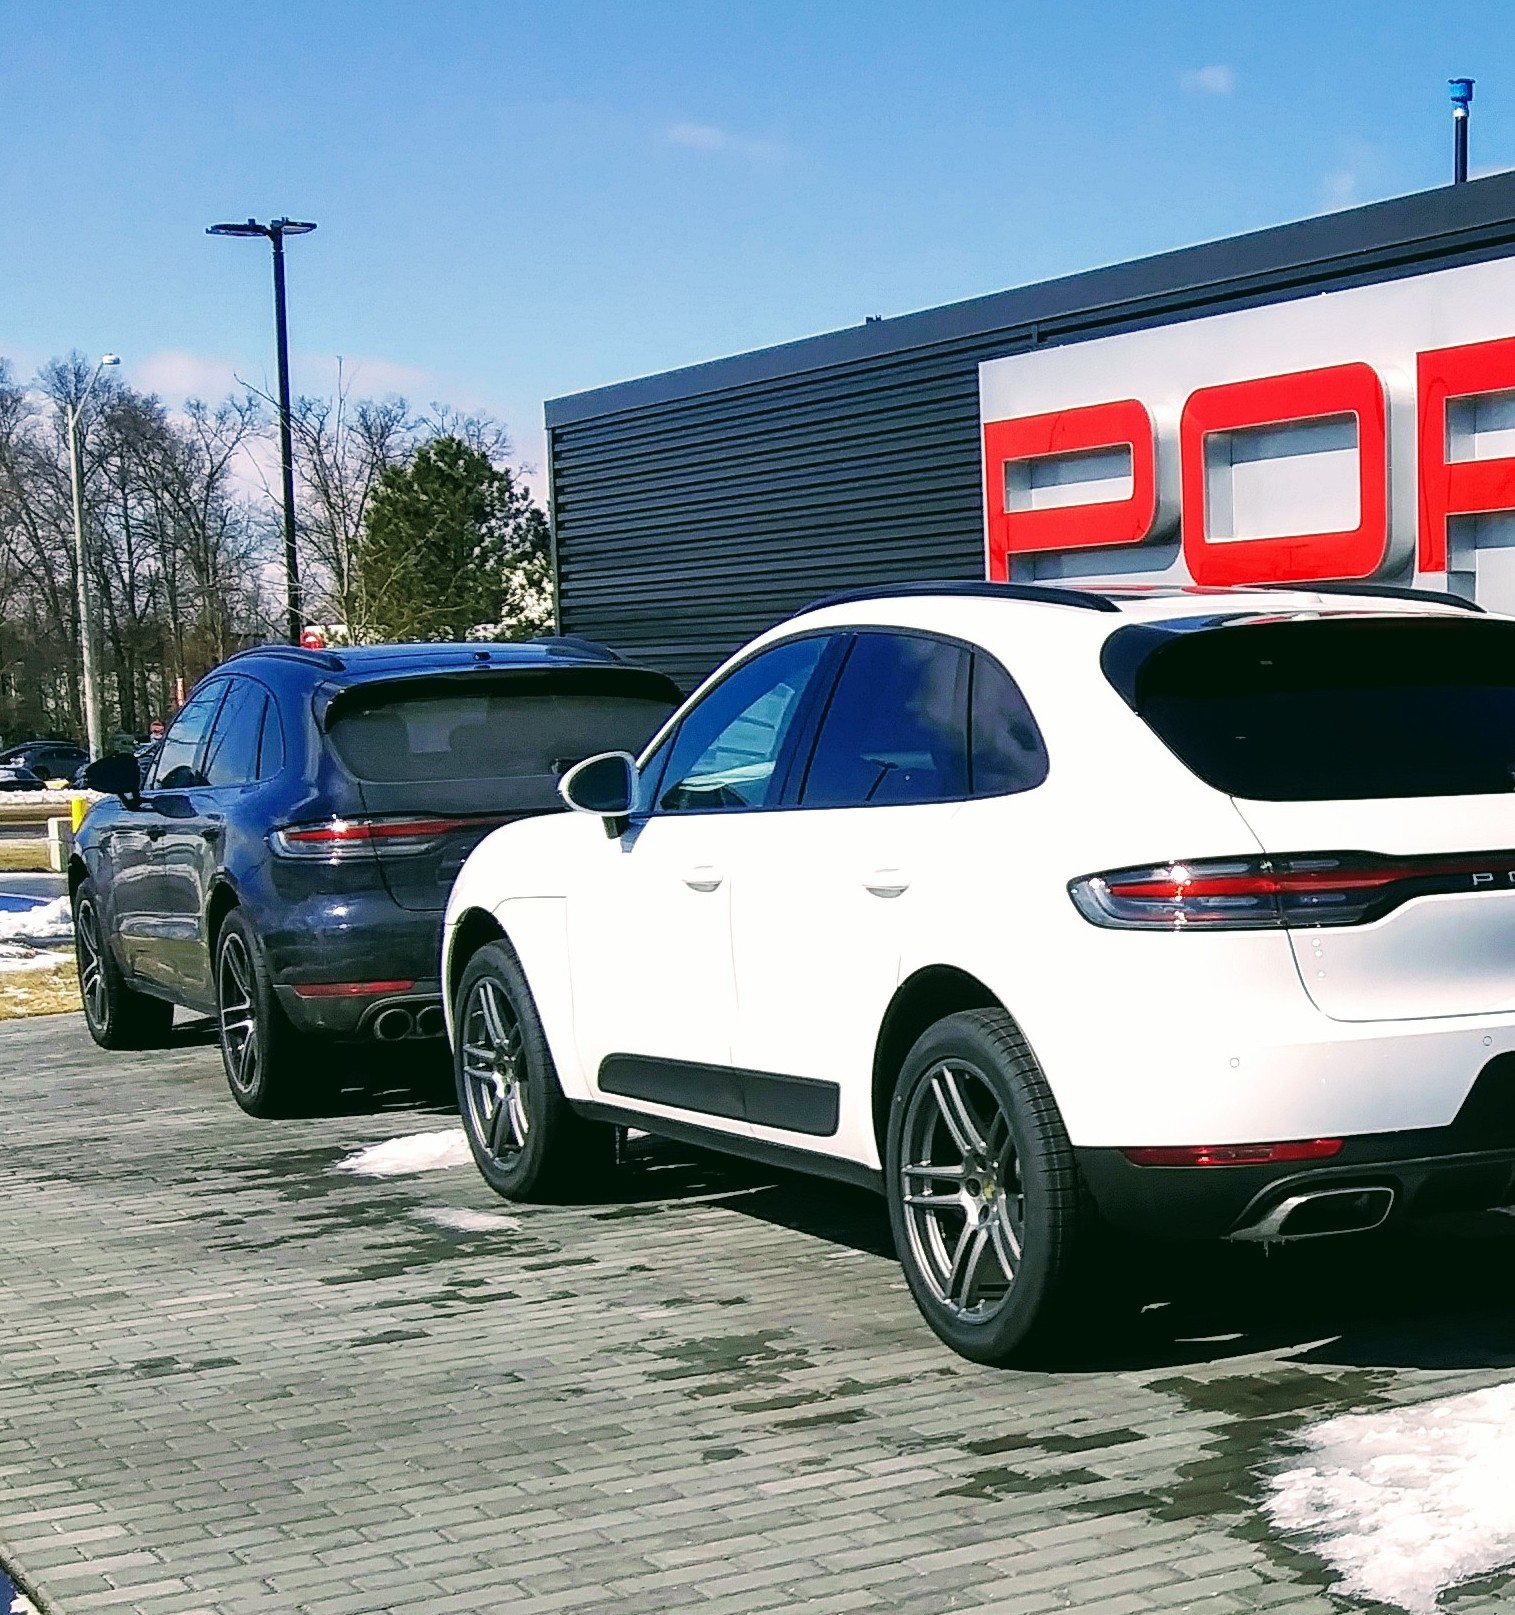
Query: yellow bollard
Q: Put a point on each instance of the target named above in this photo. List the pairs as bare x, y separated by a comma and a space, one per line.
77, 808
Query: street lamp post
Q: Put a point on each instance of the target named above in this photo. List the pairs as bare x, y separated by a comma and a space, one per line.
93, 723
276, 230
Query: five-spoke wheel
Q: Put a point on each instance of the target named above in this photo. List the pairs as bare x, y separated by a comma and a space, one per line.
494, 1087
960, 1183
118, 1016
983, 1190
270, 1068
526, 1140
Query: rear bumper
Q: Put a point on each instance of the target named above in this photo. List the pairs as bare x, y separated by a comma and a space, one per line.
389, 1017
331, 938
1467, 1166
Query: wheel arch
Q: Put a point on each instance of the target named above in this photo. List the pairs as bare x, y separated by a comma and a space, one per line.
78, 873
475, 928
919, 1002
223, 899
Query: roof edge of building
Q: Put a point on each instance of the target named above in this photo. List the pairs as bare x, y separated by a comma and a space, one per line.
1404, 229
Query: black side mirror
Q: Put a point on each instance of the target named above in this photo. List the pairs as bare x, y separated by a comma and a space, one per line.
605, 786
115, 776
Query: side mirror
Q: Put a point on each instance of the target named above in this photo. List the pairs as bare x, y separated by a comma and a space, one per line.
605, 786
115, 776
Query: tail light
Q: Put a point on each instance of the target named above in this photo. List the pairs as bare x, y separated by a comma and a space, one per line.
1294, 889
342, 840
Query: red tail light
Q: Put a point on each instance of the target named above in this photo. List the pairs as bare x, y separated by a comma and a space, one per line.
340, 840
1302, 1149
1282, 890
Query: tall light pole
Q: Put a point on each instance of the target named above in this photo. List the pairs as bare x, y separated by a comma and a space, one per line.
276, 230
93, 724
1462, 107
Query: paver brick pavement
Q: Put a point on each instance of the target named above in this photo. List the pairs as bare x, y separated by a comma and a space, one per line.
233, 1378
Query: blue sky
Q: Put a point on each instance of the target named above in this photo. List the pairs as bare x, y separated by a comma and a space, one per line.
518, 201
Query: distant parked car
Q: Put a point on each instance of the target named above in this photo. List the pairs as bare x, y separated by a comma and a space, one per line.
47, 759
284, 862
13, 777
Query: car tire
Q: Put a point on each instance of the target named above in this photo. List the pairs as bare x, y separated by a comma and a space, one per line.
117, 1015
973, 1124
271, 1068
526, 1140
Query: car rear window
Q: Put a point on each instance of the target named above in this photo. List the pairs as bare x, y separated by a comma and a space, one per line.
1329, 709
489, 733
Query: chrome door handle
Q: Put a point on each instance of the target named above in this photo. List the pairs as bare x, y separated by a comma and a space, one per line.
703, 879
887, 883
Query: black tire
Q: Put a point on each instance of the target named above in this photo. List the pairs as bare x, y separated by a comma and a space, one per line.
974, 1125
271, 1069
117, 1015
527, 1142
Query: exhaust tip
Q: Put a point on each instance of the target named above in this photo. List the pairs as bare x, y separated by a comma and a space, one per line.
391, 1025
430, 1022
1319, 1212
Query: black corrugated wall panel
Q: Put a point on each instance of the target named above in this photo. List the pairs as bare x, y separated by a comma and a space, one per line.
694, 509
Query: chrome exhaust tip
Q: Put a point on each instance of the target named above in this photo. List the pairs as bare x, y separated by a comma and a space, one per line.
1316, 1213
430, 1022
390, 1025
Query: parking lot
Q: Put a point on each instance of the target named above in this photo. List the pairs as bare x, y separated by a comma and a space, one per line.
236, 1377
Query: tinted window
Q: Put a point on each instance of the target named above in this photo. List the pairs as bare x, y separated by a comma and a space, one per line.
1334, 709
180, 751
231, 756
727, 750
487, 733
1008, 753
271, 743
896, 729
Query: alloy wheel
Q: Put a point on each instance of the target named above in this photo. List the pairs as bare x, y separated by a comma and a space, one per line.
239, 1017
494, 1076
92, 984
962, 1192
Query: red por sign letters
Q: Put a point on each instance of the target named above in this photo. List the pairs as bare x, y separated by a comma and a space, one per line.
1448, 487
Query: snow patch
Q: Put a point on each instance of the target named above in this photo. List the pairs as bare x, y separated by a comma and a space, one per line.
1406, 1503
415, 1152
46, 922
468, 1222
14, 960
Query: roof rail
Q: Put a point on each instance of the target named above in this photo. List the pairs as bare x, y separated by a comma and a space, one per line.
1388, 591
576, 643
978, 588
297, 653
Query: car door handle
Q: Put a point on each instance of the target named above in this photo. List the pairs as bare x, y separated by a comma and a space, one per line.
887, 883
703, 879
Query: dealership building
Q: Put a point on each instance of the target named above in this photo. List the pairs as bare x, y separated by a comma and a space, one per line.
1332, 399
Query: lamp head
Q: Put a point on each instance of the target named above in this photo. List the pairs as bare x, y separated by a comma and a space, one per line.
110, 359
1461, 91
251, 228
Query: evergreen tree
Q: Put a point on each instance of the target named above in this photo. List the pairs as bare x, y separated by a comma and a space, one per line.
453, 549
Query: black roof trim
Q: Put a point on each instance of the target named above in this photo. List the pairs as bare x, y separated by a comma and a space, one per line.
1359, 244
1386, 591
1083, 599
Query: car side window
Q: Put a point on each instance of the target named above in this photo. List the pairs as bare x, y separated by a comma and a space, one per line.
896, 728
231, 754
727, 750
1007, 750
271, 742
179, 756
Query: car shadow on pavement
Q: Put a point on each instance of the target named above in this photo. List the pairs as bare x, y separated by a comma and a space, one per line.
1433, 1295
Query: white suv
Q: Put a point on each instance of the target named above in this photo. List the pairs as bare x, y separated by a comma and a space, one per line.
1189, 910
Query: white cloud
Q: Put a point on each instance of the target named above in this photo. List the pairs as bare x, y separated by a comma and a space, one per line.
710, 137
175, 375
1214, 80
1339, 189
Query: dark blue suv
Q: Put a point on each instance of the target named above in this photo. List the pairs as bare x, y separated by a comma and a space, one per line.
285, 863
